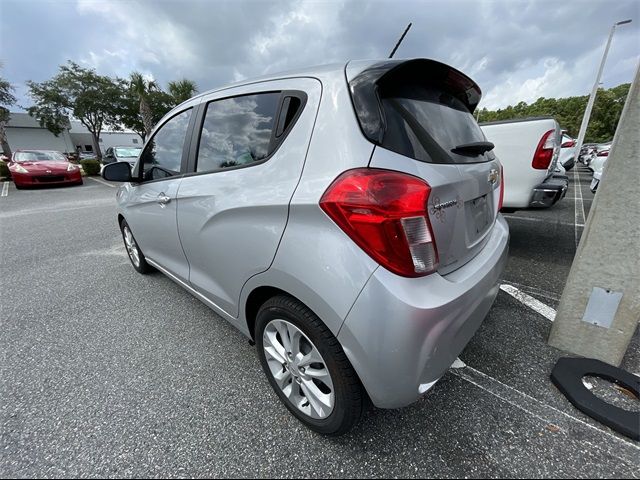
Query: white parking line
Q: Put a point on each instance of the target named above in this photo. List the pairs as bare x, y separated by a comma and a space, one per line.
5, 189
101, 181
535, 291
533, 303
578, 201
540, 220
59, 207
625, 450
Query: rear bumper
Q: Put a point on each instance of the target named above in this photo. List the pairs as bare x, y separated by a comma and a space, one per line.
550, 191
402, 334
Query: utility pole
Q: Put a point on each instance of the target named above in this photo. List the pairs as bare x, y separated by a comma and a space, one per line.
400, 41
600, 305
594, 91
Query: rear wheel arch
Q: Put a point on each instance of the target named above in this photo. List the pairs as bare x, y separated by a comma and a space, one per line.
256, 299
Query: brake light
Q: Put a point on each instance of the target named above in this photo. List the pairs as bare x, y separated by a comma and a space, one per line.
604, 153
385, 213
501, 188
544, 152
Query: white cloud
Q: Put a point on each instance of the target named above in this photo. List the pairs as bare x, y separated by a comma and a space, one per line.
514, 50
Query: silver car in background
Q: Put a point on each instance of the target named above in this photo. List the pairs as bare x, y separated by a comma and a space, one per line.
345, 218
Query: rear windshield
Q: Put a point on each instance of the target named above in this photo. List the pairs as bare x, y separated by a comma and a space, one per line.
128, 152
425, 123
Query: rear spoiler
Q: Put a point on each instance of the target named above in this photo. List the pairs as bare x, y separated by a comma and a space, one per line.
366, 85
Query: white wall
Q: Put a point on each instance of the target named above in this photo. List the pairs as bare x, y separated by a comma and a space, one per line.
108, 139
81, 136
116, 139
38, 139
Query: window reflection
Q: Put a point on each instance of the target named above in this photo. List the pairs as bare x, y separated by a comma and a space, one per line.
163, 154
237, 131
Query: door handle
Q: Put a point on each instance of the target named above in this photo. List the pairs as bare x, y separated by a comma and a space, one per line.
163, 199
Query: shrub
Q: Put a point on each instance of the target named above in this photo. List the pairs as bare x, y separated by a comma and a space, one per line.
4, 170
90, 167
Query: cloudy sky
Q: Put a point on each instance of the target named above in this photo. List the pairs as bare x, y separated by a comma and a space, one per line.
516, 50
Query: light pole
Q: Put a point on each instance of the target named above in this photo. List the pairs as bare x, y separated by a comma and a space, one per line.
592, 97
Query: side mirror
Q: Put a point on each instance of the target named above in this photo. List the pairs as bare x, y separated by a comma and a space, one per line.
117, 172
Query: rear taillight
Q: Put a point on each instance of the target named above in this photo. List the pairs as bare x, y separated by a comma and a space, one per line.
501, 188
544, 152
569, 144
385, 213
604, 153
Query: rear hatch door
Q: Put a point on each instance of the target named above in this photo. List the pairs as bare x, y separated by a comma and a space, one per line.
428, 131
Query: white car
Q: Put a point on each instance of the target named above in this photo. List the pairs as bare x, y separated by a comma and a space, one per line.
567, 152
599, 152
597, 166
528, 150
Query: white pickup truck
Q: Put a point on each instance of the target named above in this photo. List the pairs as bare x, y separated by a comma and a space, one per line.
528, 150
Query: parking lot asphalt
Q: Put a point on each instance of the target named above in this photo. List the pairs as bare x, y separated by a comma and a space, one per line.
104, 372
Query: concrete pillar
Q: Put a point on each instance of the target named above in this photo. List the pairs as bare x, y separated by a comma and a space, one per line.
600, 305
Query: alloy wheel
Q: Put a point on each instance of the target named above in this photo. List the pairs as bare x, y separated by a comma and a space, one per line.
298, 369
132, 247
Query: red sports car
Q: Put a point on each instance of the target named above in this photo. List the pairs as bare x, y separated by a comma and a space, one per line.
42, 167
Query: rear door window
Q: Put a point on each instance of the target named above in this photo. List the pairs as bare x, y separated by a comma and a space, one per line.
238, 131
426, 122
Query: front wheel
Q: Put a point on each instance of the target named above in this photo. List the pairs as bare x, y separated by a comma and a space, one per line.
307, 367
135, 254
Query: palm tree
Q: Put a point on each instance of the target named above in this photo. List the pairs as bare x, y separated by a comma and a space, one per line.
142, 88
182, 90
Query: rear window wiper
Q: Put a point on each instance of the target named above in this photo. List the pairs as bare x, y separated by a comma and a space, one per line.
474, 148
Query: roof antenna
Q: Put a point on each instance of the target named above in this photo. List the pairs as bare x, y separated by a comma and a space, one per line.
399, 41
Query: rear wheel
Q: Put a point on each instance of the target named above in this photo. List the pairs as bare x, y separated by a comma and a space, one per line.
307, 367
135, 254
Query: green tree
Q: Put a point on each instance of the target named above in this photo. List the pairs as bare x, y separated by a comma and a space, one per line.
143, 89
158, 101
6, 100
569, 111
182, 90
145, 103
79, 92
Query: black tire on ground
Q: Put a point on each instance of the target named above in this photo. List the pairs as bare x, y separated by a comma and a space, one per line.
143, 267
350, 397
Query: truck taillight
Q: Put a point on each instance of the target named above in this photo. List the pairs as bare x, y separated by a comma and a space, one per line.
544, 152
385, 213
501, 188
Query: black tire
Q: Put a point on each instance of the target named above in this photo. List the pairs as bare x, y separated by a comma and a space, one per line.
350, 398
143, 266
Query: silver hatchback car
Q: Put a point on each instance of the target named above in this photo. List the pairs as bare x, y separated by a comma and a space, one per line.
344, 218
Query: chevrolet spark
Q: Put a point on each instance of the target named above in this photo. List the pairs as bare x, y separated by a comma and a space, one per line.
344, 218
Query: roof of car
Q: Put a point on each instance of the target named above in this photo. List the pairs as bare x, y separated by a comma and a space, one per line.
317, 71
